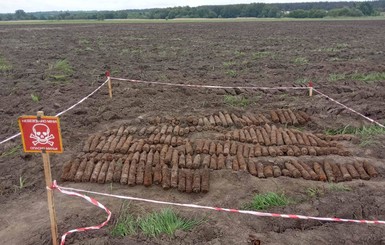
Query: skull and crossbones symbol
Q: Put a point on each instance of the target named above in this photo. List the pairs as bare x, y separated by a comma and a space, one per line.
41, 135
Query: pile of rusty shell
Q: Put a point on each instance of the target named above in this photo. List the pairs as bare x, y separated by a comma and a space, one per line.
196, 185
318, 169
301, 169
361, 171
268, 171
294, 172
276, 171
166, 177
329, 171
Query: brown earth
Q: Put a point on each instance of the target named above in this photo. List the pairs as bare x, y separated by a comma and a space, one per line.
239, 54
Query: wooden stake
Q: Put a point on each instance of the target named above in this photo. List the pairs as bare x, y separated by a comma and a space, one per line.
310, 89
48, 182
109, 87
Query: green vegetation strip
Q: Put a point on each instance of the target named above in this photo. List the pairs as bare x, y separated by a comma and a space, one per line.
166, 222
268, 200
364, 77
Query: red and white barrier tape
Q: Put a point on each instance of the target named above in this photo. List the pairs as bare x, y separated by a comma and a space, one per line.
205, 86
288, 216
61, 113
89, 199
348, 108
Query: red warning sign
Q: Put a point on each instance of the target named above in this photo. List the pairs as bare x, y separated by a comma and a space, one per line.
40, 134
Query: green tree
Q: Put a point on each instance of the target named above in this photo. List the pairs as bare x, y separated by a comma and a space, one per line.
366, 8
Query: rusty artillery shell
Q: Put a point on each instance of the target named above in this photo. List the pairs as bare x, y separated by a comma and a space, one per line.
206, 122
117, 171
286, 172
175, 158
221, 161
196, 162
65, 171
287, 117
87, 144
110, 171
120, 144
337, 172
166, 178
74, 168
212, 148
312, 141
163, 152
101, 145
147, 181
219, 148
235, 164
162, 138
126, 145
345, 173
168, 139
306, 139
103, 173
168, 157
223, 119
206, 161
199, 146
132, 172
88, 170
259, 166
294, 172
361, 171
120, 131
292, 136
236, 120
182, 180
233, 148
133, 147
281, 116
313, 175
312, 151
108, 143
146, 148
329, 171
94, 142
163, 129
213, 162
246, 151
182, 161
241, 162
257, 150
301, 169
248, 136
297, 150
206, 146
123, 178
212, 120
218, 121
157, 174
319, 171
189, 180
235, 135
293, 117
251, 167
300, 119
142, 131
151, 139
279, 137
226, 148
229, 121
176, 130
254, 137
352, 171
300, 139
274, 116
290, 151
174, 177
304, 115
80, 170
265, 151
272, 151
286, 138
276, 171
268, 171
189, 149
205, 178
242, 136
247, 120
369, 168
273, 135
140, 168
196, 185
113, 144
266, 138
189, 161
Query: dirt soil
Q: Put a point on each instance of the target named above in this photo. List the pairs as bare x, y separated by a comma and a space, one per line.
229, 54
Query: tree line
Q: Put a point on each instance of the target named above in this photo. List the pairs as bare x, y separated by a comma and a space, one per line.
258, 10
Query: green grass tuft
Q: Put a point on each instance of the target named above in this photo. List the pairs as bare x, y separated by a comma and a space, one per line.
261, 55
300, 61
231, 73
61, 70
236, 101
165, 222
313, 192
364, 131
11, 152
4, 65
35, 97
268, 200
338, 187
363, 77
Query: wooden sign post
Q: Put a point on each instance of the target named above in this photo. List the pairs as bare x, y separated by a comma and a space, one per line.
109, 83
42, 134
310, 89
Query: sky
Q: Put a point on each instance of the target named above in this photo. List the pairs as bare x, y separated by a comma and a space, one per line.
10, 6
